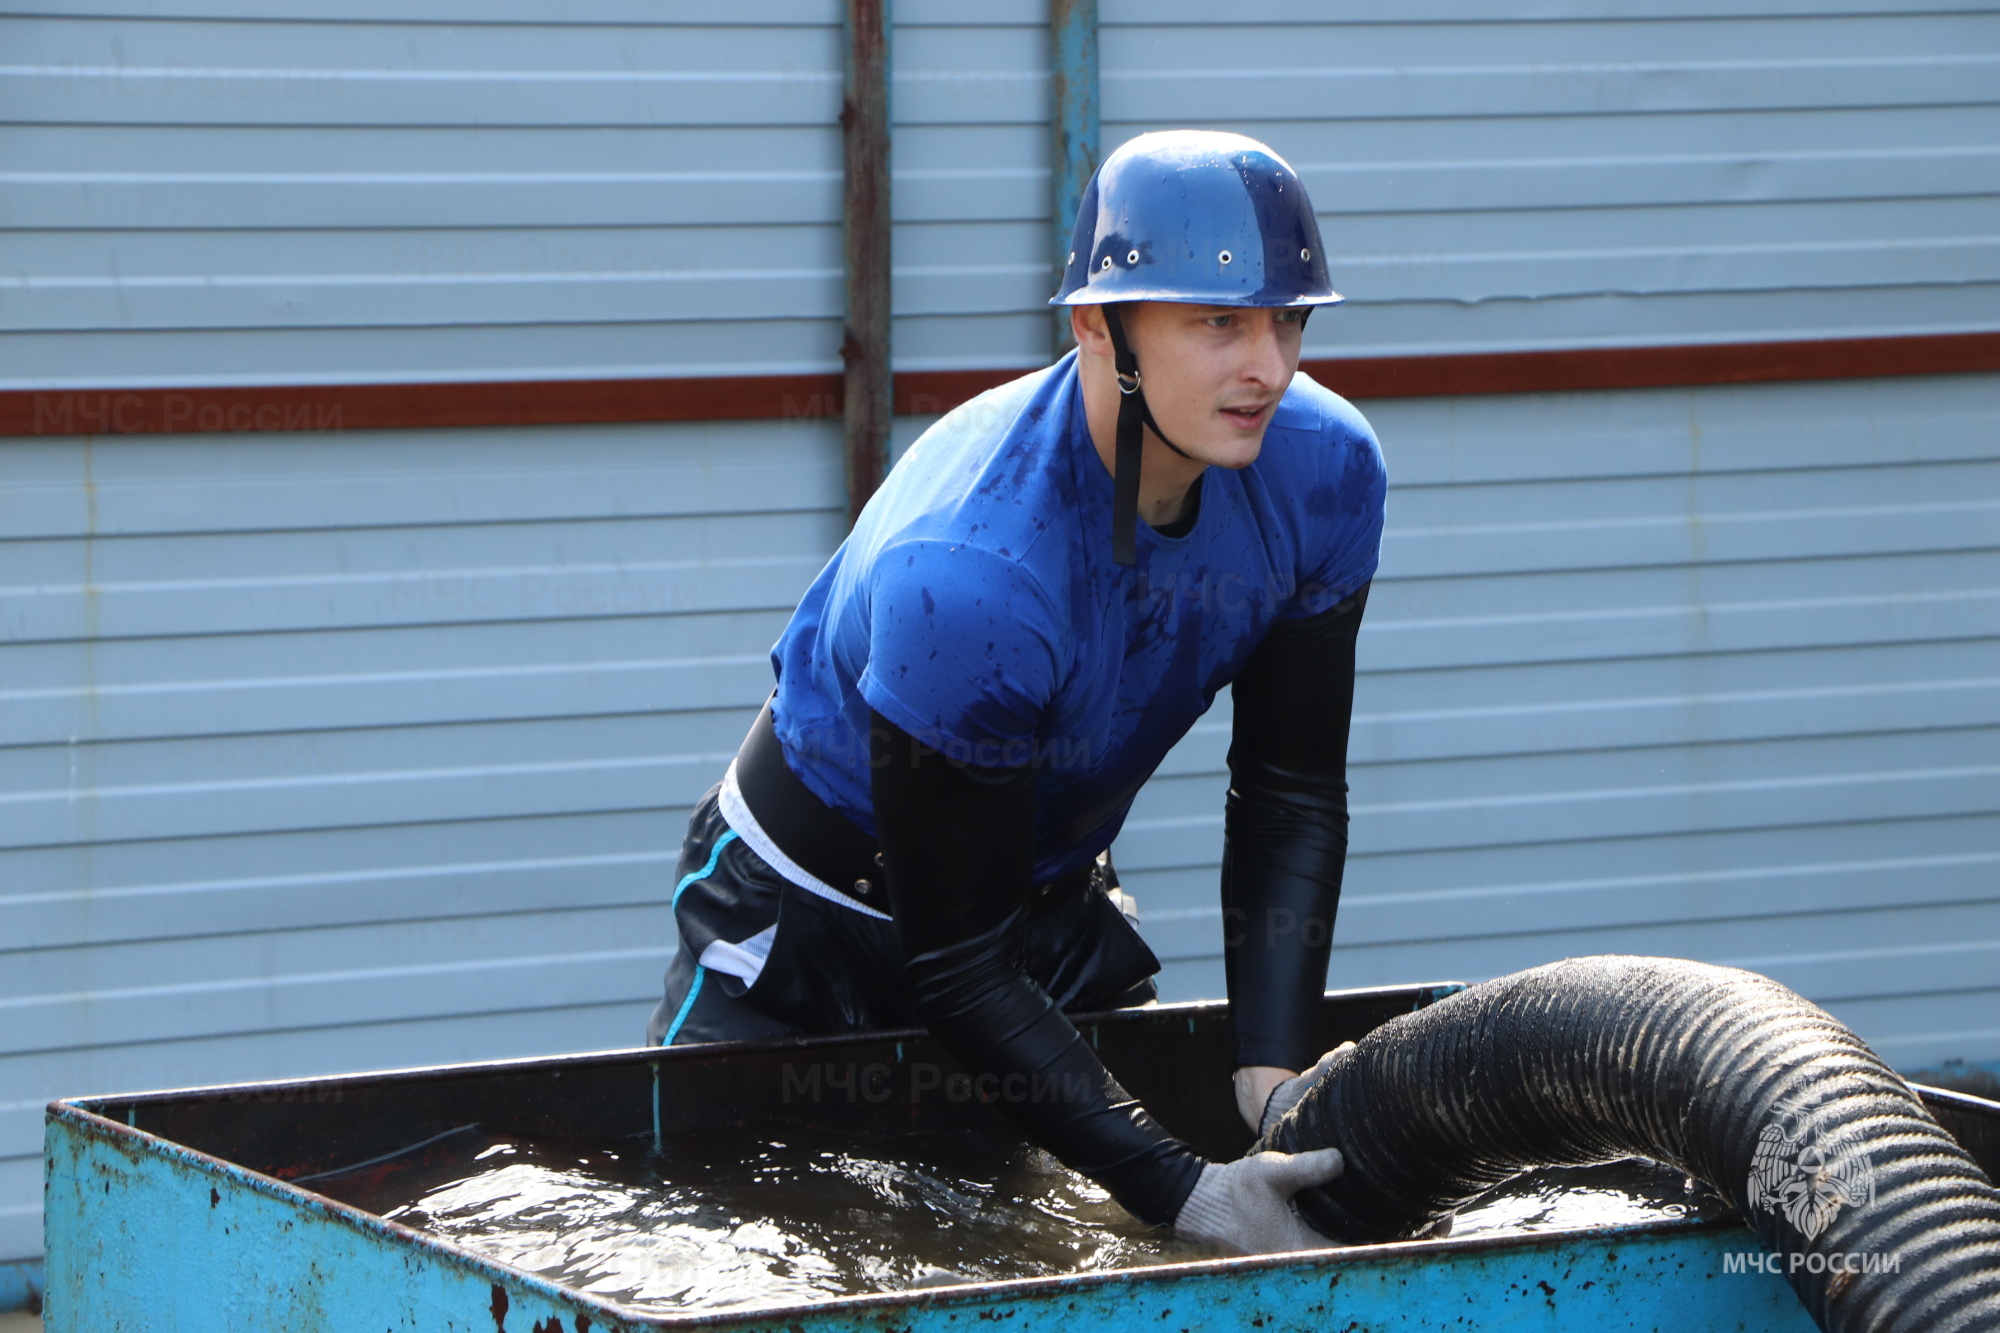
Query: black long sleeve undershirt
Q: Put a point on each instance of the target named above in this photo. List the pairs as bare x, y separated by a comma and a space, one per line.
957, 847
1285, 832
957, 852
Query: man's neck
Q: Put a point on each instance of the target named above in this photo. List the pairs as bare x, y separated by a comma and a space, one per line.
1166, 479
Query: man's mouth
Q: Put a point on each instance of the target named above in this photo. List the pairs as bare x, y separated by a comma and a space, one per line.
1246, 416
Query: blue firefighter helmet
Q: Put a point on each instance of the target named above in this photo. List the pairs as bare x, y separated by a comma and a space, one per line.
1198, 216
1186, 215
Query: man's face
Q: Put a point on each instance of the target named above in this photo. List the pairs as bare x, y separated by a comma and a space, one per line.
1214, 374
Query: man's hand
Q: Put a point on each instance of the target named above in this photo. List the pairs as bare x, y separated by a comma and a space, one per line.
1245, 1206
1254, 1085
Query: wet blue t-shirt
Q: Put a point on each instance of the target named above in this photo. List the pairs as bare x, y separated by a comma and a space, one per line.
976, 604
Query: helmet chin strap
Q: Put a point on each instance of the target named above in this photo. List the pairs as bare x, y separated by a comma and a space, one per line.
1133, 417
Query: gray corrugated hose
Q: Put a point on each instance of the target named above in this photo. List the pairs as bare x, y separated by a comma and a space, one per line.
1724, 1074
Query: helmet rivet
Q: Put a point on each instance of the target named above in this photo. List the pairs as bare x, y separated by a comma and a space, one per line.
1072, 257
1305, 254
1132, 257
1106, 264
1225, 256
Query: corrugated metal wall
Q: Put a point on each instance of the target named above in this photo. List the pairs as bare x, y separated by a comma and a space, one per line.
356, 751
334, 751
1606, 171
372, 192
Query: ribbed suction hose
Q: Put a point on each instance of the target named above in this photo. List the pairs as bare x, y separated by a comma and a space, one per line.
1724, 1074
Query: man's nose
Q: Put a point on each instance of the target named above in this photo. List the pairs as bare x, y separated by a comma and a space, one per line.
1267, 363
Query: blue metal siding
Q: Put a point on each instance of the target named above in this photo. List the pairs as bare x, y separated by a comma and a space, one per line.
355, 751
1575, 174
214, 198
205, 197
621, 192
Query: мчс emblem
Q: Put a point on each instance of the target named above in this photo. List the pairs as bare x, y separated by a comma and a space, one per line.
1794, 1175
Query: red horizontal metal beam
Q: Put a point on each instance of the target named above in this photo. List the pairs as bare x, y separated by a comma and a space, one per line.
323, 407
1656, 367
336, 407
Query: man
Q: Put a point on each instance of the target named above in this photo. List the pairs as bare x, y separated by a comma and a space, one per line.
1000, 654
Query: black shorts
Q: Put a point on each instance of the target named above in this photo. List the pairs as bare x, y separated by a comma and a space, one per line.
761, 957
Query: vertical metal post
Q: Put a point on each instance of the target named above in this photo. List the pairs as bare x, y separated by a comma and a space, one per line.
864, 124
1073, 85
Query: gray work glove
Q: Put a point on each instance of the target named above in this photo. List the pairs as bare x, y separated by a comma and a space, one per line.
1287, 1094
1245, 1206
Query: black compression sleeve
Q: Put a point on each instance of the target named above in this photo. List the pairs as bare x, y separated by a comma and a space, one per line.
957, 859
1285, 832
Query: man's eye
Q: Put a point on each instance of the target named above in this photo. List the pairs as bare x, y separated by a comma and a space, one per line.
1221, 321
1291, 317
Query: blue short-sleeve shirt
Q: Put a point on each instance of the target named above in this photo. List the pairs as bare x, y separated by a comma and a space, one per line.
976, 605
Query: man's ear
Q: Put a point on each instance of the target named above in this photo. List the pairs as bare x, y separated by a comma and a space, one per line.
1087, 327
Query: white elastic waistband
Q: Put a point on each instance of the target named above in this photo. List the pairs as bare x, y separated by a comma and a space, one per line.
737, 812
